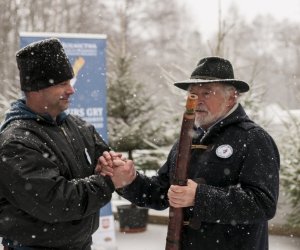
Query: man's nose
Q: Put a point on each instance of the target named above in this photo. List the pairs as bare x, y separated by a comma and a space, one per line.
70, 89
200, 99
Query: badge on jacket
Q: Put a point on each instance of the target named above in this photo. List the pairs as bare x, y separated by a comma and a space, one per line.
224, 151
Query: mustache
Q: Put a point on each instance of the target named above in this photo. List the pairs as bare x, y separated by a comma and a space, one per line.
201, 109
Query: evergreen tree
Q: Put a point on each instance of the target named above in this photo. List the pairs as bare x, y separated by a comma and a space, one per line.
132, 111
132, 105
290, 166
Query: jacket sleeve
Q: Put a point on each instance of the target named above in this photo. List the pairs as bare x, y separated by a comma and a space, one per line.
146, 192
152, 191
254, 198
32, 182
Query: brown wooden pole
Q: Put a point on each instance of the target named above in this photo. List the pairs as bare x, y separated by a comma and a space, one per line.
180, 175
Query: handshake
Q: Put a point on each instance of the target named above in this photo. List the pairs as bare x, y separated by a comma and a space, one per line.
121, 170
122, 173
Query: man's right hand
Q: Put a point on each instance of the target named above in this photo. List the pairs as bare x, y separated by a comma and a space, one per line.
105, 163
121, 170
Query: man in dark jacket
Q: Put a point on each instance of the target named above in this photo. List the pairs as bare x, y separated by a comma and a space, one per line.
49, 194
233, 175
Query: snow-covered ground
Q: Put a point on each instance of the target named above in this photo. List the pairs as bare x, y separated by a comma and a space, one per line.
154, 239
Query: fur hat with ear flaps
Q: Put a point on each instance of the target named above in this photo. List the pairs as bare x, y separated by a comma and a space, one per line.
43, 64
213, 69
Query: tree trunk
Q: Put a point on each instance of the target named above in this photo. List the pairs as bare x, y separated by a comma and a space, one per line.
130, 154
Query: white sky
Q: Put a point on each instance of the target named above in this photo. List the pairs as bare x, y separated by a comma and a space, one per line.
205, 12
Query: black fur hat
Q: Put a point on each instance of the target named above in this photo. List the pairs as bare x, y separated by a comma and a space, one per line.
43, 64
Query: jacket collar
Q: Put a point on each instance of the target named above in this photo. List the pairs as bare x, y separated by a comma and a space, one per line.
19, 111
236, 115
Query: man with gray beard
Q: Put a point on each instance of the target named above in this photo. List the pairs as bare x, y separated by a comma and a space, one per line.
233, 175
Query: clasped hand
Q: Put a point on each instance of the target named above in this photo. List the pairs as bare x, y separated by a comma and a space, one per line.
182, 196
121, 170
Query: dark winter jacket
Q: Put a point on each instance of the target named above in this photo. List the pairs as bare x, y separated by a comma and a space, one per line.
238, 176
49, 194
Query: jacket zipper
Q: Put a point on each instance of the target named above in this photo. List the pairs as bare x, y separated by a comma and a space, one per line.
69, 141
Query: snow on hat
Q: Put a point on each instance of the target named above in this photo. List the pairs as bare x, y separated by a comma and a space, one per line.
43, 64
213, 69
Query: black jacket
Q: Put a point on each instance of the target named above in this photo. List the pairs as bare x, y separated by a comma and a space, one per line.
239, 181
49, 194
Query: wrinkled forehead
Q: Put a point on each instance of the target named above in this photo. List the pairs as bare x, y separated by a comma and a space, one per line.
206, 86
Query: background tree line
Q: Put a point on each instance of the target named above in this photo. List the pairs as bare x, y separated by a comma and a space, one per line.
160, 39
150, 45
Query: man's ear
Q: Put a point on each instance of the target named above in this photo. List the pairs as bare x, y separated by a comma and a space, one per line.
232, 99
